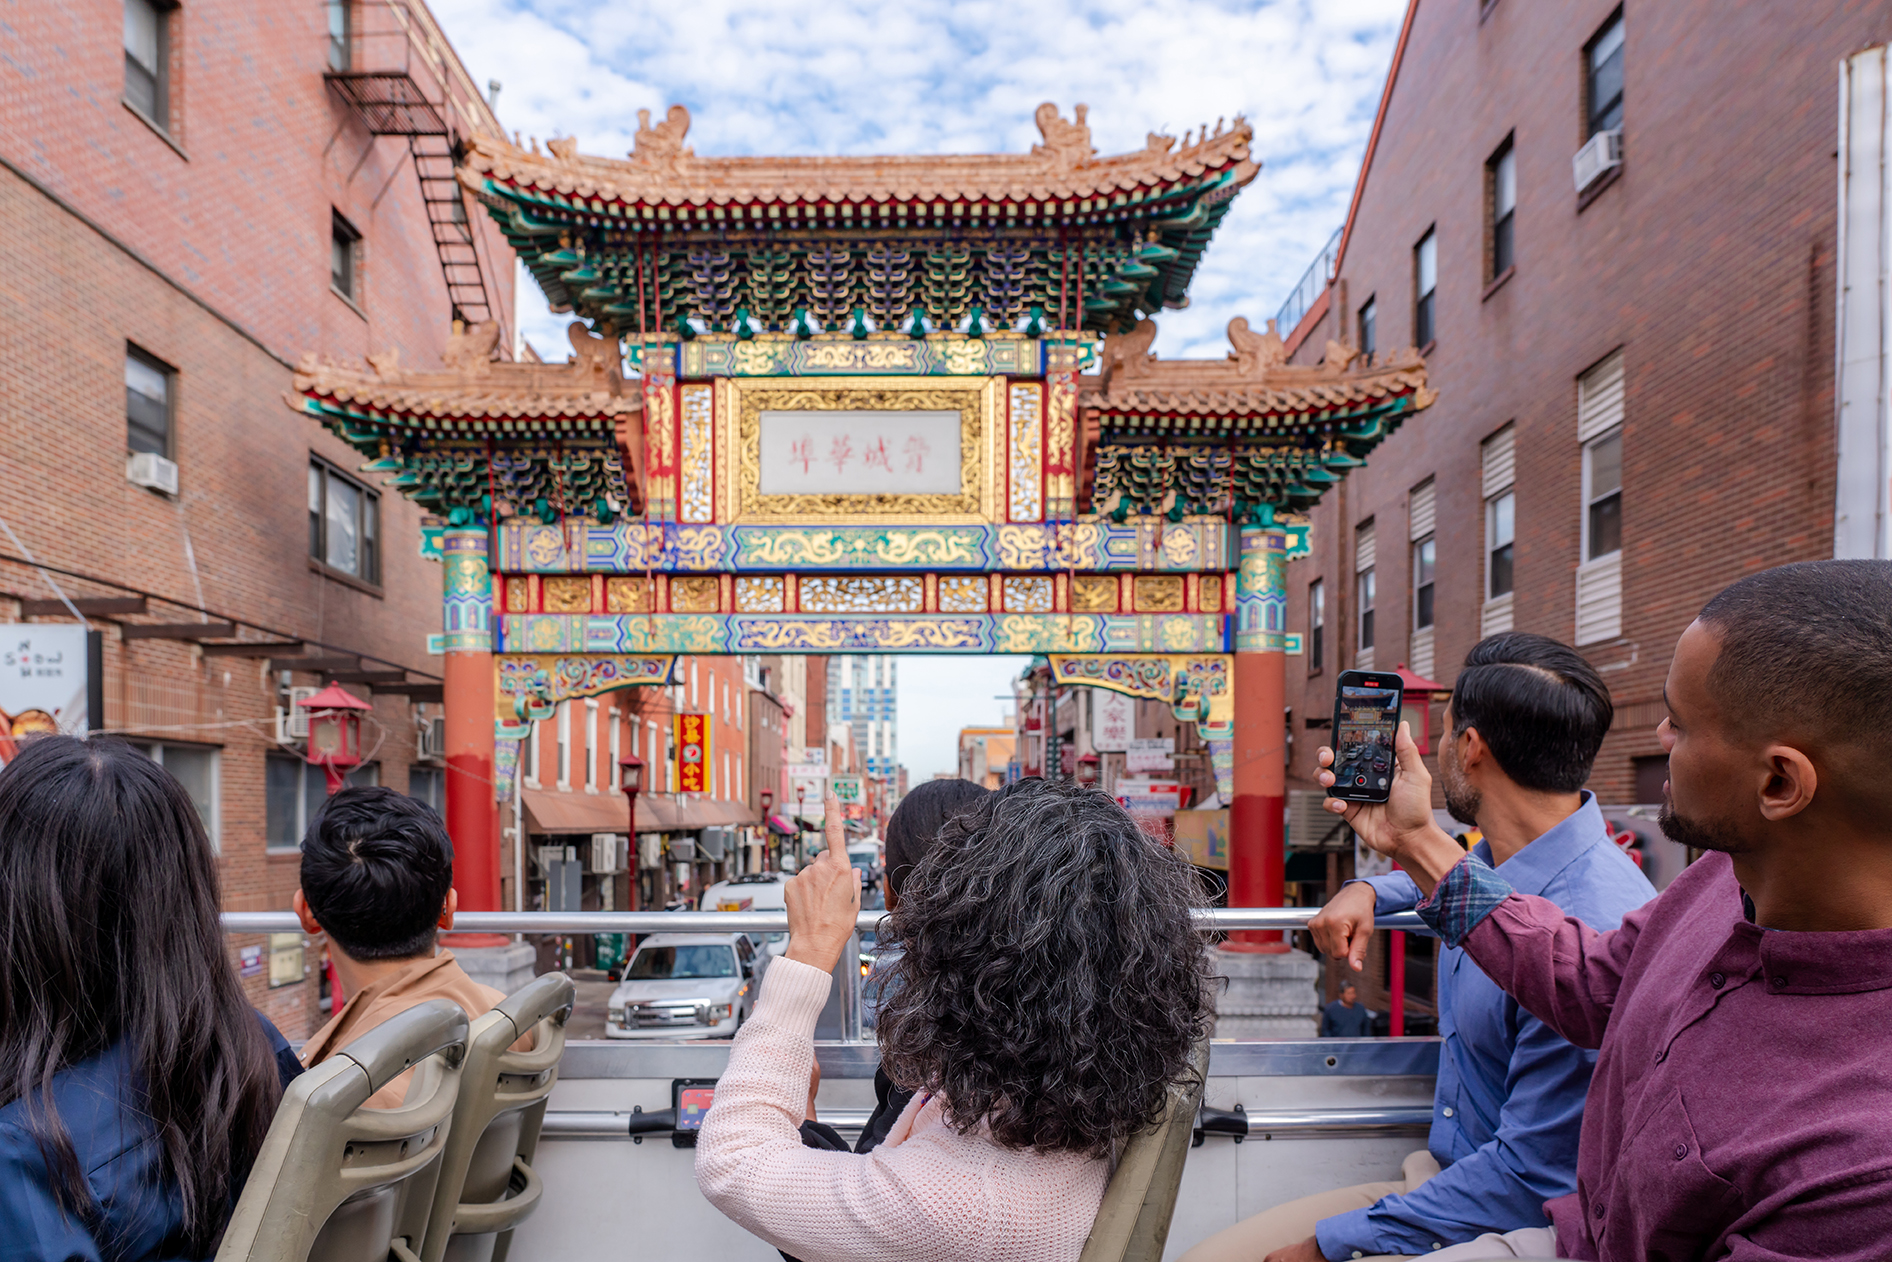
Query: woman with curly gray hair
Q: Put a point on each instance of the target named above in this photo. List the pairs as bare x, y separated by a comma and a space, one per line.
1051, 988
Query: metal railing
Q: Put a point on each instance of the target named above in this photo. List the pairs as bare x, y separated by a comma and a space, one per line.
1216, 920
1308, 290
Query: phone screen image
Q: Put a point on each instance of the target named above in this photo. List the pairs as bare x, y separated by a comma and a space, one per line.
1367, 719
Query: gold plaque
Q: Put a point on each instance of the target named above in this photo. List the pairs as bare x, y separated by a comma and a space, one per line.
569, 593
758, 594
1094, 593
700, 593
1209, 593
519, 594
832, 594
1027, 595
962, 593
1159, 593
626, 595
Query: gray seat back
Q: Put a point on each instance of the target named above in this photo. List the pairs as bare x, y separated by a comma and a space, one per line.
487, 1185
336, 1182
1132, 1223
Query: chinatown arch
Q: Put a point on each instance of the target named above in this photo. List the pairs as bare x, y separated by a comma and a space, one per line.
877, 405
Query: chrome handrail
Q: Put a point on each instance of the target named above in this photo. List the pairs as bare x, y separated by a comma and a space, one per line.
1262, 1124
1217, 919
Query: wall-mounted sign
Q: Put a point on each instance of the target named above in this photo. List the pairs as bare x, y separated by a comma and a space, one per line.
1202, 838
1150, 754
1150, 796
848, 790
51, 680
1113, 721
287, 962
693, 753
859, 453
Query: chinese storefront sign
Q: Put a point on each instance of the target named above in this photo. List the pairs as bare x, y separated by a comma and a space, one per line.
693, 753
848, 790
1113, 721
859, 453
1150, 754
1159, 797
1202, 838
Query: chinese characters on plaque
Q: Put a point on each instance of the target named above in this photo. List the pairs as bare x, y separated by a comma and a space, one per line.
859, 453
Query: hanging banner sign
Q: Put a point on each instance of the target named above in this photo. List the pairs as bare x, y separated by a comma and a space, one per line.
1150, 796
848, 790
1113, 721
693, 753
49, 682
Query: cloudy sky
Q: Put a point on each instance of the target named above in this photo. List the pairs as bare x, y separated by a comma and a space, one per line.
860, 77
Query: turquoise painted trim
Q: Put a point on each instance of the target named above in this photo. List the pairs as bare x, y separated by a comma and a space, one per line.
916, 633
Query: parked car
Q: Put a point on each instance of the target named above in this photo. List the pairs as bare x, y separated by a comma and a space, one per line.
752, 891
685, 986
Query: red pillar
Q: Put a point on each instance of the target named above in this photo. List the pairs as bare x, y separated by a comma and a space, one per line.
472, 812
1257, 830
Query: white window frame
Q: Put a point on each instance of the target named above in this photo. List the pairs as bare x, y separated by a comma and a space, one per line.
564, 722
617, 749
1366, 597
591, 744
154, 750
532, 755
1430, 540
1589, 452
1491, 544
1317, 625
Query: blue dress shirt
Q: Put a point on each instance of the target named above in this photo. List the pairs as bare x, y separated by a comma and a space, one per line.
1509, 1101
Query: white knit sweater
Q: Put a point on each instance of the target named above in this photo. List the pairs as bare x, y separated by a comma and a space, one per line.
927, 1194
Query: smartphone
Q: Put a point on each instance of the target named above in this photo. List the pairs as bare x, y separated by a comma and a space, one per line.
1366, 719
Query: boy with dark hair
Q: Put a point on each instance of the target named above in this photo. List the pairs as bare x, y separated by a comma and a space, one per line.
377, 878
1525, 720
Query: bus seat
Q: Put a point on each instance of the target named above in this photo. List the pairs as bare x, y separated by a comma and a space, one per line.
486, 1185
1132, 1223
336, 1182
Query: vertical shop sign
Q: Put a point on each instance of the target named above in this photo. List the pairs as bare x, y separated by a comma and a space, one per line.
693, 753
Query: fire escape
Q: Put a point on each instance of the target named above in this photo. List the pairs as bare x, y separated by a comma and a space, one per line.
390, 100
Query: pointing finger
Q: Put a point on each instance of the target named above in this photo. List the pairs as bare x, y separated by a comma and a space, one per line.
833, 825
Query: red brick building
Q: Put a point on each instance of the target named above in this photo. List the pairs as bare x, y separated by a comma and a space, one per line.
1611, 230
192, 203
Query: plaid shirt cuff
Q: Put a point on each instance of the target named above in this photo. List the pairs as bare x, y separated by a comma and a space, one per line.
1464, 896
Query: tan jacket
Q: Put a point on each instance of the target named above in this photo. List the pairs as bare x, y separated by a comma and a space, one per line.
440, 977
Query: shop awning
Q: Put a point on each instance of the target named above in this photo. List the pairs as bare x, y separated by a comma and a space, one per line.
781, 827
558, 812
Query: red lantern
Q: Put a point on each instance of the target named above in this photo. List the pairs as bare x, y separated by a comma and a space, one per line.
335, 732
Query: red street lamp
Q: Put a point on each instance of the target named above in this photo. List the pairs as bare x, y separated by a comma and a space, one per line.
631, 779
334, 732
768, 799
1087, 770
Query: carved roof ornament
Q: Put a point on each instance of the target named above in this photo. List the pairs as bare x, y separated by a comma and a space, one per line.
1067, 145
472, 386
662, 170
1253, 378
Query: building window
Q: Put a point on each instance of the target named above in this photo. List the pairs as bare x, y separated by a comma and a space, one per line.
344, 523
294, 790
194, 767
1316, 625
343, 255
1603, 496
1603, 82
1424, 554
532, 756
429, 785
148, 394
1365, 583
1425, 264
339, 24
1501, 194
1500, 531
148, 60
1369, 334
564, 744
591, 745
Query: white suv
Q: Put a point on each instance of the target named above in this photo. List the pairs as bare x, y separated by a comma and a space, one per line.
684, 986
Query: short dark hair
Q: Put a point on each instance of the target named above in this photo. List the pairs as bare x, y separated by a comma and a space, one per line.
1539, 705
1052, 982
916, 822
1806, 650
376, 868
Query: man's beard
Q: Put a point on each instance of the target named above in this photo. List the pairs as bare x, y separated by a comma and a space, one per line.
1461, 799
1696, 834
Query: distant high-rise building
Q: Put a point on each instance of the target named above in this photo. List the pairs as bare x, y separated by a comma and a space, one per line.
861, 695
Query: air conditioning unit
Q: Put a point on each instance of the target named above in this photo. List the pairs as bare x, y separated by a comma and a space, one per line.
149, 469
1601, 154
292, 720
432, 741
607, 853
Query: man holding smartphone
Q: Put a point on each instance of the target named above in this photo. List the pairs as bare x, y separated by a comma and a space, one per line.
1525, 721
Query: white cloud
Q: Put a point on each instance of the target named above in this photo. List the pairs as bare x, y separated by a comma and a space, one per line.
854, 77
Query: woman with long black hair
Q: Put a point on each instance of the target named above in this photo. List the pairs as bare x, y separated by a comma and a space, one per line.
136, 1085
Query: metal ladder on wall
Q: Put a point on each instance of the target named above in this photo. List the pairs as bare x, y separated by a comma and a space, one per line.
440, 193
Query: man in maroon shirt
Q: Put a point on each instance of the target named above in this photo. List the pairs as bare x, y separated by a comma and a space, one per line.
1741, 1106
